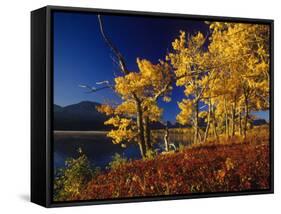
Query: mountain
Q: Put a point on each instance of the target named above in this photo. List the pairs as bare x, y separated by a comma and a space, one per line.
81, 117
57, 108
259, 122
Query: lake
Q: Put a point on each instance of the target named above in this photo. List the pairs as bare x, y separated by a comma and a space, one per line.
99, 148
95, 144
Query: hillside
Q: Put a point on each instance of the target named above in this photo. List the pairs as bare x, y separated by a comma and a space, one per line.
81, 117
211, 168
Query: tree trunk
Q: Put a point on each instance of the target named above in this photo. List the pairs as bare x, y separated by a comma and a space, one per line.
246, 117
226, 119
215, 123
141, 141
196, 122
240, 122
166, 138
209, 121
147, 134
233, 112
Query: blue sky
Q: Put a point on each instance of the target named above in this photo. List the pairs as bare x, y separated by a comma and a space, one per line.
82, 57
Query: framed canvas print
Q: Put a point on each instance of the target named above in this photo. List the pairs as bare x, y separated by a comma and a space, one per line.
139, 106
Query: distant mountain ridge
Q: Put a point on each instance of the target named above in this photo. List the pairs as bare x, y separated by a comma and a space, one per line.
82, 116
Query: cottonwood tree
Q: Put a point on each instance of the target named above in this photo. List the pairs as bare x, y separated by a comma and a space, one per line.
241, 52
132, 117
139, 90
230, 77
188, 61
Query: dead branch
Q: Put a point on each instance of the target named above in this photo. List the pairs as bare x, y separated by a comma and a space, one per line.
116, 52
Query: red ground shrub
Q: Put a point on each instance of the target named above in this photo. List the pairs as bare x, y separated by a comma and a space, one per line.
212, 168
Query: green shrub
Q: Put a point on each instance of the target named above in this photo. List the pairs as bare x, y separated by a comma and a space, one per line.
69, 181
150, 154
181, 147
117, 161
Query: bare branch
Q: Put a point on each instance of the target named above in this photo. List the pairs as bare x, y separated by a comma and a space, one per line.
116, 52
94, 89
88, 87
161, 92
103, 82
203, 107
122, 64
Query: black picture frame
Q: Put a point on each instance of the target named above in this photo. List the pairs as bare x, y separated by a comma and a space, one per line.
42, 104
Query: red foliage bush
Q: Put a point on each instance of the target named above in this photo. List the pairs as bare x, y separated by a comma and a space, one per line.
213, 168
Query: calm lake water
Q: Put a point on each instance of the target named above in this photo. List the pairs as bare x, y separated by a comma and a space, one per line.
98, 148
